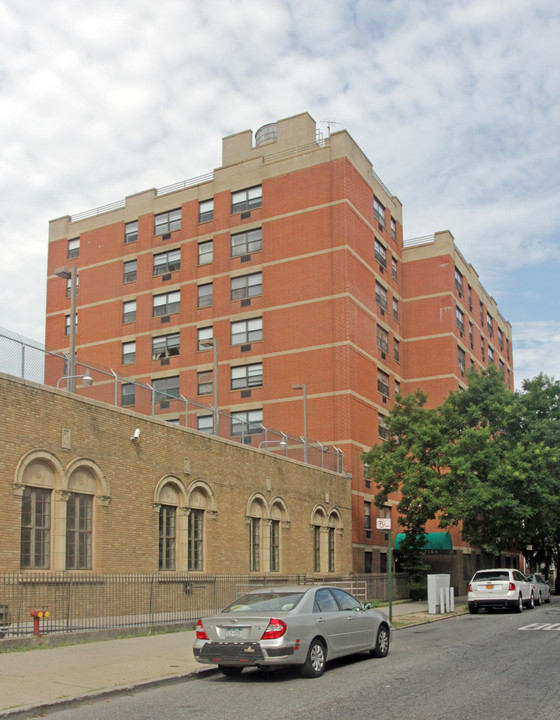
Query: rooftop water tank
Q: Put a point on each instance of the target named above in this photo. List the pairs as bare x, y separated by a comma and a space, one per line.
266, 134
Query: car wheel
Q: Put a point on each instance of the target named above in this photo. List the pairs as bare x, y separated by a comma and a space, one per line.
473, 609
519, 606
382, 643
538, 601
531, 603
547, 599
314, 665
230, 670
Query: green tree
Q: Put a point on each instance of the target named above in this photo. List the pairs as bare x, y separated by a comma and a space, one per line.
486, 457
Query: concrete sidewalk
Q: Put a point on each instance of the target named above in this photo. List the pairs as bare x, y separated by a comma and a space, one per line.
57, 676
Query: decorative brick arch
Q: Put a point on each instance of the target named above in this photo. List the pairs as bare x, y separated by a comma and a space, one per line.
39, 468
85, 475
162, 496
257, 500
200, 496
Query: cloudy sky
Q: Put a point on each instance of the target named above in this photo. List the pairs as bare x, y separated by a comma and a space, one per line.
455, 102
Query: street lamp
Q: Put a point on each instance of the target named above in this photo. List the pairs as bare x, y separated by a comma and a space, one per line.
72, 275
87, 380
303, 387
213, 343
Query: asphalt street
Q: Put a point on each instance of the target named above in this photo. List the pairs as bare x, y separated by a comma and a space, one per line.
492, 665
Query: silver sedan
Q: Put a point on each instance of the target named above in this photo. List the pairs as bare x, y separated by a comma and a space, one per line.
292, 625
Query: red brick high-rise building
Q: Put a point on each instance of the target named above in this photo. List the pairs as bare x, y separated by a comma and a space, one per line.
284, 267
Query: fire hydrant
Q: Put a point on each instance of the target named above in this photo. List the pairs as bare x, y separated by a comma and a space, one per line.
38, 615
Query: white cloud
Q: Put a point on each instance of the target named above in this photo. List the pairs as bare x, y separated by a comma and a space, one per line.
454, 103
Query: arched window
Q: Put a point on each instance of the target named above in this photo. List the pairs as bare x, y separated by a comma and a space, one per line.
167, 527
79, 519
201, 504
35, 528
257, 513
278, 517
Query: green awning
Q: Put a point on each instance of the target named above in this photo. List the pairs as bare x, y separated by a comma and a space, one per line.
432, 541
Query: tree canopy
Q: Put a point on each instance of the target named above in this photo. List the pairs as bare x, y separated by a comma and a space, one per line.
487, 458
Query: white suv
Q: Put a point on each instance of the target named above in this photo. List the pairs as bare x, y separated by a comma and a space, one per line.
500, 588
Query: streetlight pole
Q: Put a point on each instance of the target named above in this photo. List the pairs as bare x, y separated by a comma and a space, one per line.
213, 343
303, 387
72, 275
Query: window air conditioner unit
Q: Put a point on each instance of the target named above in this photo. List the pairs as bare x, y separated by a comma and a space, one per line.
166, 236
245, 215
246, 302
165, 277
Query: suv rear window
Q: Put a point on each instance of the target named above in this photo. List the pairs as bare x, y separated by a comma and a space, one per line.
485, 575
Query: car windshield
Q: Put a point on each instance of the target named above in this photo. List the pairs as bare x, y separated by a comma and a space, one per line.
486, 575
264, 602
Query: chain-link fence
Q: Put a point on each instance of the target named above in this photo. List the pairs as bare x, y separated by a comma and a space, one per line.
31, 360
76, 603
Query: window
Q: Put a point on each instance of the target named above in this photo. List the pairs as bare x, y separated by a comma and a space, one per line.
316, 548
502, 367
380, 253
129, 311
247, 422
382, 339
128, 394
129, 271
471, 337
367, 515
460, 320
246, 243
165, 388
382, 427
275, 546
35, 528
368, 562
131, 232
246, 376
248, 199
481, 316
246, 331
490, 324
507, 348
246, 286
395, 309
165, 346
167, 222
381, 296
167, 524
167, 262
205, 423
397, 388
205, 295
67, 325
195, 537
166, 304
394, 229
206, 252
128, 353
69, 286
501, 339
73, 248
459, 282
461, 359
79, 531
490, 354
379, 211
394, 267
332, 553
482, 349
469, 296
397, 349
383, 382
255, 544
204, 382
204, 335
205, 210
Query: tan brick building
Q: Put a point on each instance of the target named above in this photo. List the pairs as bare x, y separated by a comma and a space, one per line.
77, 493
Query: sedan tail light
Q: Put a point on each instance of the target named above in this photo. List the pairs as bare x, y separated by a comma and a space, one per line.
469, 589
275, 629
200, 631
512, 586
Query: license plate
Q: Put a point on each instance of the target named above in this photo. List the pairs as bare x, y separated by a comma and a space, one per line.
489, 587
233, 632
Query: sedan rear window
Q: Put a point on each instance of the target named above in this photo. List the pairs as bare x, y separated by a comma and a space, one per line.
264, 602
485, 575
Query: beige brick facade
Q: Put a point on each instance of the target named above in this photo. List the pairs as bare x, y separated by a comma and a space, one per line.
66, 444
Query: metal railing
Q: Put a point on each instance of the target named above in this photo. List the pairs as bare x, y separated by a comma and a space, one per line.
78, 602
30, 360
